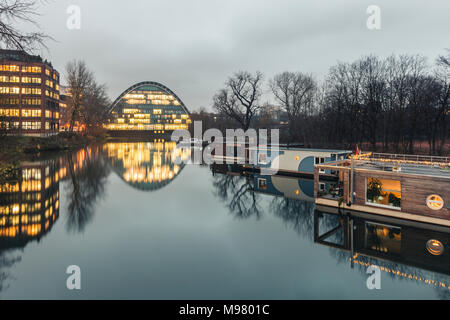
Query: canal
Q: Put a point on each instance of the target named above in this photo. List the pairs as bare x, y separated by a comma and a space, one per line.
142, 225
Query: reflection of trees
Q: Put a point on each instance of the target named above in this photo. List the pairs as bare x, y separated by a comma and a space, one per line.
297, 214
6, 262
238, 194
87, 178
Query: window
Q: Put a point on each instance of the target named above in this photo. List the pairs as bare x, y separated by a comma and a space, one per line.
11, 90
33, 91
6, 101
320, 160
262, 184
262, 158
384, 192
31, 80
435, 202
9, 112
31, 113
34, 102
11, 68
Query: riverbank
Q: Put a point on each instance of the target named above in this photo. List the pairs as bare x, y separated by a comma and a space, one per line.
14, 149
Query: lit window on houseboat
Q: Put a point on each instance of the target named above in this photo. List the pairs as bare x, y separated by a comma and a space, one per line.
384, 192
382, 238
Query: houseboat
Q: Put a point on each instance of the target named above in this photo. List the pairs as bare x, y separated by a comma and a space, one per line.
407, 187
293, 161
392, 242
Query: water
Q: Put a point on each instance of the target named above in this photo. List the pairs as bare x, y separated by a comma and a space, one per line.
141, 226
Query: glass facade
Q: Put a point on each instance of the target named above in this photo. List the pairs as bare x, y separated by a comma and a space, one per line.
150, 107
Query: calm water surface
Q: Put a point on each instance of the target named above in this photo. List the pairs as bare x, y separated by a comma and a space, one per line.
141, 226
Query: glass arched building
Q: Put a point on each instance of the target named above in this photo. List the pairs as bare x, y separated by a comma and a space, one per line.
148, 106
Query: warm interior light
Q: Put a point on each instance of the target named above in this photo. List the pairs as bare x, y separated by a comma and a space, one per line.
435, 202
435, 247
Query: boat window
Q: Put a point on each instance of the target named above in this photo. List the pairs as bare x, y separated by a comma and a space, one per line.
435, 202
384, 192
262, 184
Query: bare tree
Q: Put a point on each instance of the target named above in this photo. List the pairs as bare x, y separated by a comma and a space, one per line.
79, 80
295, 92
240, 99
94, 109
19, 11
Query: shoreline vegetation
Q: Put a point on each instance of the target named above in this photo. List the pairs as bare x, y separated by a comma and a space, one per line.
15, 149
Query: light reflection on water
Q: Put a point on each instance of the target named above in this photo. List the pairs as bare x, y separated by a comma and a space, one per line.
134, 212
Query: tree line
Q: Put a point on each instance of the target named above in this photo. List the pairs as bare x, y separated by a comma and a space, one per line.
386, 104
87, 100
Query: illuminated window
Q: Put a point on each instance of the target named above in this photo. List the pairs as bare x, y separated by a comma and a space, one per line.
31, 113
9, 112
33, 91
10, 90
384, 192
435, 202
320, 160
157, 111
28, 101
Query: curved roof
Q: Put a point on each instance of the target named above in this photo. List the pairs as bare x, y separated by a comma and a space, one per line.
147, 83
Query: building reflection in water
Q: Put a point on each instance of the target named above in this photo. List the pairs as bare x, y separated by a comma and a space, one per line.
147, 165
30, 206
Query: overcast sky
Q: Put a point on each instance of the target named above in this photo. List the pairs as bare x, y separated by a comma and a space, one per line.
193, 46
